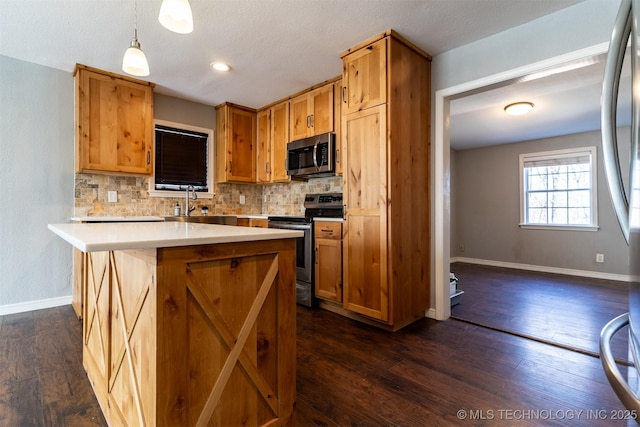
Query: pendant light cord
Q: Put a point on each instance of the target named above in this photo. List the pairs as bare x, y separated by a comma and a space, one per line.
135, 19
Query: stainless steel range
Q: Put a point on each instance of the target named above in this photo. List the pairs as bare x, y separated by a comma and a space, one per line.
325, 205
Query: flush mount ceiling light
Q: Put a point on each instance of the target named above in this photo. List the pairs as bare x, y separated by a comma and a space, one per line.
175, 15
135, 61
518, 108
220, 66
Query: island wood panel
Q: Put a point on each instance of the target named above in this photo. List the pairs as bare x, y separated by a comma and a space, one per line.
365, 259
96, 328
79, 282
198, 335
234, 360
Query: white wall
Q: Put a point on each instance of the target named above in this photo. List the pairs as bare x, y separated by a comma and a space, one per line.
36, 177
577, 27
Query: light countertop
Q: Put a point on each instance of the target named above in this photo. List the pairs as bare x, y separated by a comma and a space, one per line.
116, 218
92, 237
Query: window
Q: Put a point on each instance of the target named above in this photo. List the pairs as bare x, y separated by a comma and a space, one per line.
558, 189
183, 157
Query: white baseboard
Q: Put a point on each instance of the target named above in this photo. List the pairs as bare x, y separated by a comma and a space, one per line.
546, 269
34, 305
430, 313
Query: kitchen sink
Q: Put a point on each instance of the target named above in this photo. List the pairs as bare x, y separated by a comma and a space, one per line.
213, 219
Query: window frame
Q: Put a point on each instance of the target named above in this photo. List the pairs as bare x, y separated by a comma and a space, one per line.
210, 162
559, 154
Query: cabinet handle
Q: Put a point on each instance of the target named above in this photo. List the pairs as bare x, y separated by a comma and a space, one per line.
148, 157
337, 155
267, 168
316, 255
230, 166
326, 230
312, 121
308, 121
344, 94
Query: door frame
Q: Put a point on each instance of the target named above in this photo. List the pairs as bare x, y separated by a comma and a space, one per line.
441, 309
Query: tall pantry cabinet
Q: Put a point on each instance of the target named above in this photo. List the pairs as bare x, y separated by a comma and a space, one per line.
385, 131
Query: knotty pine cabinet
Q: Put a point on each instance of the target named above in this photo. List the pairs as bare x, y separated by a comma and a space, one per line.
385, 131
114, 123
311, 113
328, 260
253, 222
235, 143
272, 139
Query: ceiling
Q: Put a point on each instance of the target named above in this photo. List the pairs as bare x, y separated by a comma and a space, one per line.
279, 47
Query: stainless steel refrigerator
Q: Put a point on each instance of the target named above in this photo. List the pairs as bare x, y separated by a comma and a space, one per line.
626, 203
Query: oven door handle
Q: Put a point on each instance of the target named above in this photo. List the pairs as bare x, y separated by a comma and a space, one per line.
291, 226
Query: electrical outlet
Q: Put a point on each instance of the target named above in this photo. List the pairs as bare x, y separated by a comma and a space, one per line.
242, 199
461, 248
112, 196
599, 257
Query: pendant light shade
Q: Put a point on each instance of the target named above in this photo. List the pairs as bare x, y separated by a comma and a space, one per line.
135, 61
175, 15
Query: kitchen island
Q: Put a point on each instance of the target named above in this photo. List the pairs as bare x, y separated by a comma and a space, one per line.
188, 324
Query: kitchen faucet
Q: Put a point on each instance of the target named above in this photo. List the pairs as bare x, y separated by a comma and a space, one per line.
194, 196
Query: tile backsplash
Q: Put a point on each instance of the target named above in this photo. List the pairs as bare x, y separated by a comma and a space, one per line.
91, 197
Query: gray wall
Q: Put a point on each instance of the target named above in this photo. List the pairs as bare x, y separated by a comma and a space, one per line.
36, 172
181, 111
37, 176
486, 211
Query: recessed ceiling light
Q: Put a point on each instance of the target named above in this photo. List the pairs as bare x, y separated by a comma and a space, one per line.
518, 108
220, 66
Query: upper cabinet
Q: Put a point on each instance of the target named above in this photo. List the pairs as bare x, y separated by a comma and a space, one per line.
235, 143
114, 123
279, 140
311, 113
272, 139
364, 76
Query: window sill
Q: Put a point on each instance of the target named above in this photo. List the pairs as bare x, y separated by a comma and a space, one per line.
559, 227
178, 194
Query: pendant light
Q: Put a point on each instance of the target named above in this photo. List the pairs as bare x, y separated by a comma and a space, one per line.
135, 61
175, 15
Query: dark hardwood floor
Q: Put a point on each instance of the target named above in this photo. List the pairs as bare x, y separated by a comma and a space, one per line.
563, 310
349, 374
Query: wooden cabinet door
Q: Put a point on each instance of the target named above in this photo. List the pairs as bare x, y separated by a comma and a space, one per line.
114, 123
328, 255
299, 117
321, 103
279, 140
263, 147
235, 140
337, 126
365, 76
312, 113
242, 160
366, 288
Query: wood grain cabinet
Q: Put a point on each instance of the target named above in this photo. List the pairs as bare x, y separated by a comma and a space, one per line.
311, 113
385, 131
272, 139
328, 256
253, 222
114, 123
235, 143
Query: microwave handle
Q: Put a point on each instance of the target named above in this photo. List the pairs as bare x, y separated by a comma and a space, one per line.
315, 152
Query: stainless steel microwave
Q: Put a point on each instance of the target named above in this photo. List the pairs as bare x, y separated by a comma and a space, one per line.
312, 157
